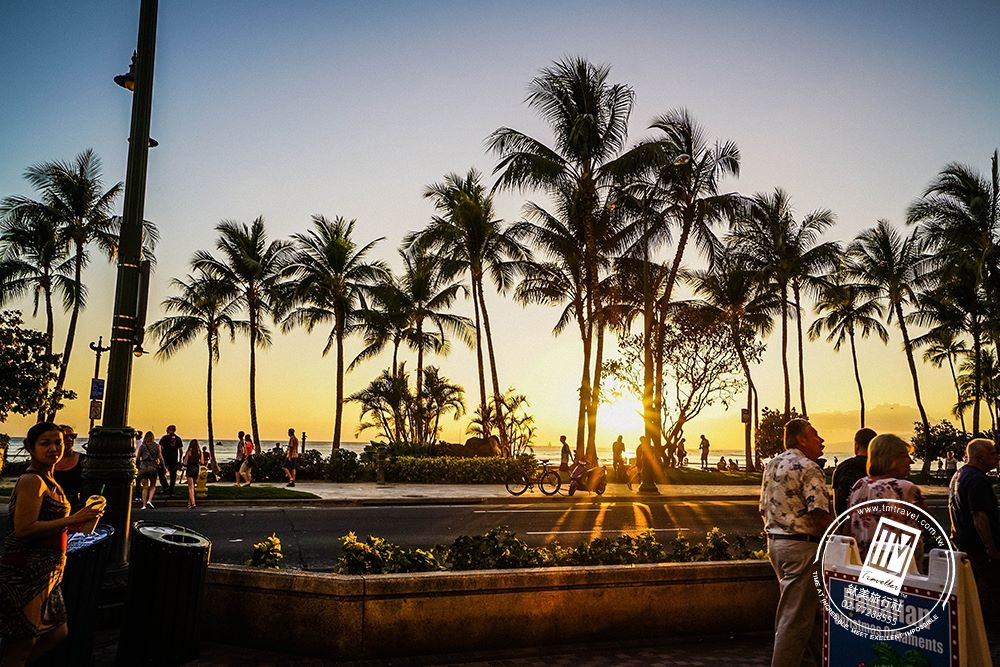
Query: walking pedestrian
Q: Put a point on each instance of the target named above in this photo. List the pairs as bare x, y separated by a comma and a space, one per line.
564, 454
797, 508
192, 468
246, 468
238, 460
148, 462
170, 453
291, 457
703, 447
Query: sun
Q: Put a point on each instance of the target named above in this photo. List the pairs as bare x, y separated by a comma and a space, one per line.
623, 417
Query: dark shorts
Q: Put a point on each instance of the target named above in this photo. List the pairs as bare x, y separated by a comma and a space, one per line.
192, 471
292, 464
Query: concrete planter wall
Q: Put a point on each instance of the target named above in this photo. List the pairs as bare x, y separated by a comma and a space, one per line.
354, 617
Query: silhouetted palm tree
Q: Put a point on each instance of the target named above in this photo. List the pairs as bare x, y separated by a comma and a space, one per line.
468, 238
789, 253
732, 290
588, 117
958, 223
895, 266
254, 270
71, 198
205, 307
851, 309
329, 275
943, 345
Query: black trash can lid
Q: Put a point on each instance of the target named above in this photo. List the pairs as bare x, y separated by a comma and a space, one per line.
173, 535
77, 541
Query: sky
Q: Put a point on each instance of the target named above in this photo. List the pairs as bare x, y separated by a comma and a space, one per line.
286, 110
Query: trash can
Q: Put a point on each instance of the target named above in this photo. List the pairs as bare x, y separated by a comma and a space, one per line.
86, 560
167, 567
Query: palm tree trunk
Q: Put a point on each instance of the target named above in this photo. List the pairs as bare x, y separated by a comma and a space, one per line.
338, 412
208, 396
479, 361
581, 420
497, 396
738, 346
595, 399
958, 391
50, 328
70, 333
784, 351
857, 375
908, 347
977, 365
802, 371
255, 430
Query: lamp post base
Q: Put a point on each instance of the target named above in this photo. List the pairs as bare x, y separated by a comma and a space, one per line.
110, 471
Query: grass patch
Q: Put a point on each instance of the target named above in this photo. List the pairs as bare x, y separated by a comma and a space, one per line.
709, 477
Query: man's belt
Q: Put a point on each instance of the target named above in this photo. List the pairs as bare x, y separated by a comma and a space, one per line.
798, 537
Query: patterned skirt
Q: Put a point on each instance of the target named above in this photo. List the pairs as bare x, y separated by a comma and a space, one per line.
31, 602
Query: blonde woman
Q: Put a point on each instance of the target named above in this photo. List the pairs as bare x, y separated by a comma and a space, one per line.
148, 461
888, 467
192, 466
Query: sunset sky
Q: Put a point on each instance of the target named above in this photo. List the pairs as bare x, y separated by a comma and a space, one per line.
288, 109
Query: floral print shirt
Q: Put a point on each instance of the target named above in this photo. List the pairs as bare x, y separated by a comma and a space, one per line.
793, 486
863, 523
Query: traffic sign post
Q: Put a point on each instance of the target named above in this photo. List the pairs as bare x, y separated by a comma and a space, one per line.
96, 408
97, 389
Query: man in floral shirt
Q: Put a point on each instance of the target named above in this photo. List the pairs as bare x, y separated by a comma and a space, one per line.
797, 508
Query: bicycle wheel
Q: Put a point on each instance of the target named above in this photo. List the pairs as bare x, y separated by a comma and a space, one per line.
549, 482
517, 483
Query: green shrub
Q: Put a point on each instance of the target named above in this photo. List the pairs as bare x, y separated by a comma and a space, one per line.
342, 466
498, 549
376, 556
450, 469
266, 554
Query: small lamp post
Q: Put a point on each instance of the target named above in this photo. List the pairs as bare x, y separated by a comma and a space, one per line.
98, 349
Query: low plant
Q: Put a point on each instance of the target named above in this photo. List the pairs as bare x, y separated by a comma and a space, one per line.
266, 554
375, 555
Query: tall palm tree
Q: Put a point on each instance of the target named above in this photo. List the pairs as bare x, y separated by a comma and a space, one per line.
789, 253
852, 309
204, 307
958, 222
254, 270
588, 117
469, 237
731, 290
71, 198
671, 183
942, 346
330, 273
384, 319
895, 266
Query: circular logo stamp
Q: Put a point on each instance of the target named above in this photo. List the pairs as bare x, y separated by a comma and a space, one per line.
885, 587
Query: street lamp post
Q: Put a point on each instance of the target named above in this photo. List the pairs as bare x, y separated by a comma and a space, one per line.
98, 349
109, 465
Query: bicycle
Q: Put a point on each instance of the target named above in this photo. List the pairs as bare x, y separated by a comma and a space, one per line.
547, 481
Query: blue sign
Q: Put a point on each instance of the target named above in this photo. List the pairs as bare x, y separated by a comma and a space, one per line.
846, 644
96, 389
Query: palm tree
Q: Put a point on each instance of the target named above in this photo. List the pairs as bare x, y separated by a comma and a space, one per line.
73, 201
204, 306
895, 266
731, 291
851, 309
386, 400
441, 397
672, 181
428, 292
33, 261
944, 345
788, 253
384, 318
588, 117
958, 222
329, 273
469, 238
254, 270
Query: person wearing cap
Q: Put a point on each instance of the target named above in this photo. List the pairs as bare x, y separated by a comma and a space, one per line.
68, 471
796, 507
